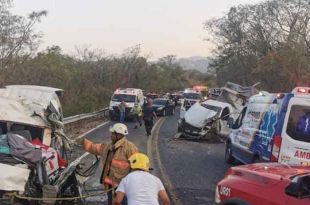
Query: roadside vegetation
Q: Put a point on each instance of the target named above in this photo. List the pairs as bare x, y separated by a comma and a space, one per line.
267, 42
89, 76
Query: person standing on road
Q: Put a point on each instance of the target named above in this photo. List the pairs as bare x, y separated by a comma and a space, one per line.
137, 112
140, 187
122, 111
148, 117
114, 156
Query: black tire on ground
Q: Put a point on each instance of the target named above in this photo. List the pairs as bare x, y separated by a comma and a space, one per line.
179, 129
256, 159
228, 154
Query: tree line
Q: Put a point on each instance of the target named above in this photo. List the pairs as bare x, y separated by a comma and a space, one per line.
268, 42
89, 76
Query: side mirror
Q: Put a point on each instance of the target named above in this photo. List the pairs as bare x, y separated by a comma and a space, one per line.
230, 122
299, 187
293, 188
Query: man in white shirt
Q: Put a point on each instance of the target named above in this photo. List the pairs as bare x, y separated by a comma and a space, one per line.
140, 187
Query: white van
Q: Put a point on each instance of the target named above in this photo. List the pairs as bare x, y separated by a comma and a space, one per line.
190, 97
130, 96
273, 127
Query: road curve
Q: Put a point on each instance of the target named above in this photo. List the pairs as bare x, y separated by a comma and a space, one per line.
189, 169
193, 167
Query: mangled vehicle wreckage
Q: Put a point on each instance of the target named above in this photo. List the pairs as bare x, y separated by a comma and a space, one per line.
33, 148
209, 118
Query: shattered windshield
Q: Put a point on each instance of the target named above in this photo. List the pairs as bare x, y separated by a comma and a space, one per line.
196, 96
123, 97
212, 107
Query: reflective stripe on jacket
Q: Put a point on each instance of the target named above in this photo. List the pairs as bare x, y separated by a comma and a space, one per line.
114, 158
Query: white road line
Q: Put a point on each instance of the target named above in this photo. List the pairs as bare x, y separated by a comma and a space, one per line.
152, 149
89, 131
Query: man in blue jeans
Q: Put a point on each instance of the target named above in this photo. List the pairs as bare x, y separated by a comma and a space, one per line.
148, 116
122, 111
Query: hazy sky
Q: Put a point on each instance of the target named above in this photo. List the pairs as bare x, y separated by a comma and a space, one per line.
162, 27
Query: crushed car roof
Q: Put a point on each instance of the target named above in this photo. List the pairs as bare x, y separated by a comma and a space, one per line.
27, 104
216, 103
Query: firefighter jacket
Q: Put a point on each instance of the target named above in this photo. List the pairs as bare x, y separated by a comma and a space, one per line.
114, 158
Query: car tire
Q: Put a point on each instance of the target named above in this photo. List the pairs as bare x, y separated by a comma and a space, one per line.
228, 154
256, 159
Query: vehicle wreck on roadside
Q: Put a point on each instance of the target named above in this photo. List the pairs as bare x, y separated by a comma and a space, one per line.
210, 118
34, 151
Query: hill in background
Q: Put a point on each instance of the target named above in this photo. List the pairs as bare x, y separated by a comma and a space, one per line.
194, 63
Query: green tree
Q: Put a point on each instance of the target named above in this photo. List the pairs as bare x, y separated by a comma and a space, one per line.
256, 42
18, 38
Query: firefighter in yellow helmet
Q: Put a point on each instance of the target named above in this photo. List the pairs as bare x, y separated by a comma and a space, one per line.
139, 186
114, 156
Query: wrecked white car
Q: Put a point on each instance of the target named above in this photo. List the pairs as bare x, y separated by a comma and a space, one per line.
33, 148
206, 118
209, 118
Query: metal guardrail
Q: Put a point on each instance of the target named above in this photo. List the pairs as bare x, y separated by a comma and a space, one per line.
83, 116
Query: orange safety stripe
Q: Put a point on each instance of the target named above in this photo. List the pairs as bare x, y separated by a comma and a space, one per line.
108, 180
95, 148
120, 164
98, 148
88, 145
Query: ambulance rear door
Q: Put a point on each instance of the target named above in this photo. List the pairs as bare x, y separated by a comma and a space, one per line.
295, 145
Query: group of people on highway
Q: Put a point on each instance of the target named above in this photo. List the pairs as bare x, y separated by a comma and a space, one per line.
146, 113
126, 171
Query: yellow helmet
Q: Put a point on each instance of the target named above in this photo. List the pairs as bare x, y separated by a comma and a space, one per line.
139, 161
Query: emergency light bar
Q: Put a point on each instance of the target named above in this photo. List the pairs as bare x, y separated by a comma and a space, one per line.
280, 95
301, 90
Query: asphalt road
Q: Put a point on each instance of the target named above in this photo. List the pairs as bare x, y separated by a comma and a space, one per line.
102, 134
192, 168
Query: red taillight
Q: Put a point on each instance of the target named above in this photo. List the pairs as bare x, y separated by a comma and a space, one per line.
276, 148
301, 90
280, 95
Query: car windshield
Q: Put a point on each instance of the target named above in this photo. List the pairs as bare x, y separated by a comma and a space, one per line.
159, 102
192, 96
212, 107
123, 97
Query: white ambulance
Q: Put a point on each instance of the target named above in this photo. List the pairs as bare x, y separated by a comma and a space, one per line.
130, 96
272, 127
